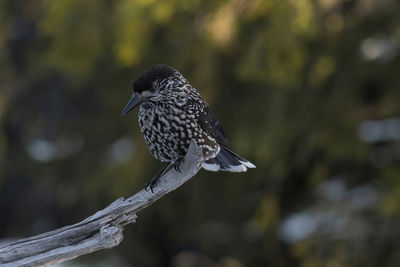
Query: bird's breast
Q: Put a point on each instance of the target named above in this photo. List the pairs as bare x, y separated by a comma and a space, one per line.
168, 131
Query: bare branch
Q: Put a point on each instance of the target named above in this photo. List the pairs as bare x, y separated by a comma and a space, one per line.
99, 231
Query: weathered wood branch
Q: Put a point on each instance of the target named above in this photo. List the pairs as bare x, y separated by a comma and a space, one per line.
99, 231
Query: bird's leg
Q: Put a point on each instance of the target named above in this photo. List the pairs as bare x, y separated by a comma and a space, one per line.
177, 164
153, 182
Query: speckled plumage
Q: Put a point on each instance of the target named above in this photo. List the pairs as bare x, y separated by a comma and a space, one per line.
172, 114
170, 121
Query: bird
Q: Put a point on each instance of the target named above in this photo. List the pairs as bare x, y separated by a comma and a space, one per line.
171, 115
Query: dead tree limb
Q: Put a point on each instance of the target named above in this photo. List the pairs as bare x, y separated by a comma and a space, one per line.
99, 231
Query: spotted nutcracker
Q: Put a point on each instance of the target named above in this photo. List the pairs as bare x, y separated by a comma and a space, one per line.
172, 114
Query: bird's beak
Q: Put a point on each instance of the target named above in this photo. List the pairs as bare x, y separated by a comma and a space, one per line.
135, 101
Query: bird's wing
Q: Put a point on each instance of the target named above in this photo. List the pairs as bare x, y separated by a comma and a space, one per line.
209, 123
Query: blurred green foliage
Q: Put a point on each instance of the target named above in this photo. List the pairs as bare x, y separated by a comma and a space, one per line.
307, 90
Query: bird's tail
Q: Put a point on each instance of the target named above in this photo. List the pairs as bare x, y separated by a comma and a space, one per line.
226, 160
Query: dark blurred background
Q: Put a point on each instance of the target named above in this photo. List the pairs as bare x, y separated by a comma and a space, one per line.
308, 90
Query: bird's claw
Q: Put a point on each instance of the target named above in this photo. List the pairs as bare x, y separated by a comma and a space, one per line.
177, 165
152, 183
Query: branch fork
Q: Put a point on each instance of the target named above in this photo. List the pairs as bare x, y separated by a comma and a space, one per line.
102, 230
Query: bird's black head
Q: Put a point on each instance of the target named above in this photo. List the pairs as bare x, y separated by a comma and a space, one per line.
146, 85
146, 79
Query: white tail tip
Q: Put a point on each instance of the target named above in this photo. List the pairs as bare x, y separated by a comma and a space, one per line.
211, 167
237, 168
248, 164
